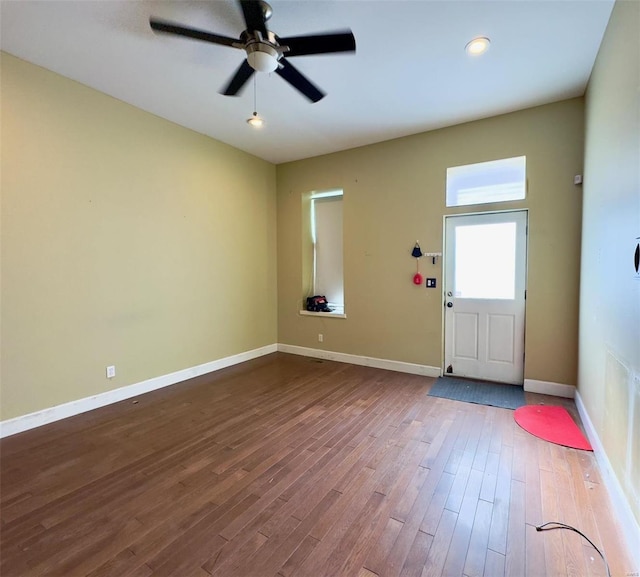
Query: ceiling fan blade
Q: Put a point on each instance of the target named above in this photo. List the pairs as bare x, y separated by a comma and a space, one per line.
170, 28
254, 16
298, 81
238, 80
319, 43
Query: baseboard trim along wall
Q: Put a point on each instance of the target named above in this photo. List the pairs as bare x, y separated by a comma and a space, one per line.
549, 388
622, 511
399, 366
51, 414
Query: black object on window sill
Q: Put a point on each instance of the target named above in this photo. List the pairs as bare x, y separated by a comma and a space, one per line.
318, 304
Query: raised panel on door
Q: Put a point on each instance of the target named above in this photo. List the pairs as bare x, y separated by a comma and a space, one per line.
500, 338
466, 336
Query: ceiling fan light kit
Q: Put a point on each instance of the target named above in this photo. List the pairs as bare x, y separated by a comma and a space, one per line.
265, 51
262, 57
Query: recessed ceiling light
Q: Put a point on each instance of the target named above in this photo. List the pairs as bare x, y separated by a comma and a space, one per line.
478, 46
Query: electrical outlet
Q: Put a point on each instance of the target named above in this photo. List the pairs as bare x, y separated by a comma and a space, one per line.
111, 371
320, 337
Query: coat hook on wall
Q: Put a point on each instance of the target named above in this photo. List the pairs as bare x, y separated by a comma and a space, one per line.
434, 256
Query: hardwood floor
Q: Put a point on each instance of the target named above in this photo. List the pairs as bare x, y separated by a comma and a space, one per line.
288, 466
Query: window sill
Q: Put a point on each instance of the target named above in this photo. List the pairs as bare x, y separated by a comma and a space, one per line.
328, 315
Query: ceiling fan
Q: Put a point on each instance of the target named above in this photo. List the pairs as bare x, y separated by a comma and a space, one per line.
265, 50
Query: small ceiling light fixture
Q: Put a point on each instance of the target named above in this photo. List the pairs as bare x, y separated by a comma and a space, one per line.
477, 46
255, 120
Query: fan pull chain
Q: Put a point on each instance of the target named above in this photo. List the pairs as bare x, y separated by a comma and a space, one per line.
255, 95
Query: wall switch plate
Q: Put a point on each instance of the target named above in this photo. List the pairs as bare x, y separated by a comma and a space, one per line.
320, 337
431, 283
111, 371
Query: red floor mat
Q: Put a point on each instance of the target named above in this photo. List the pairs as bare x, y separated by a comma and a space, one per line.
552, 424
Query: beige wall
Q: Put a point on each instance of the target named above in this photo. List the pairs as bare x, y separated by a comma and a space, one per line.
126, 240
394, 194
609, 372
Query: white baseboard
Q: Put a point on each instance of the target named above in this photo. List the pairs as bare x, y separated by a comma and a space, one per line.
51, 414
549, 388
398, 366
621, 509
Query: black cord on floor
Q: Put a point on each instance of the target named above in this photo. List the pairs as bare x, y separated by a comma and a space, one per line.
557, 525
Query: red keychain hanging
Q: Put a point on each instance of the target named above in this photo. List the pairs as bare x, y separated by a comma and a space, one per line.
417, 254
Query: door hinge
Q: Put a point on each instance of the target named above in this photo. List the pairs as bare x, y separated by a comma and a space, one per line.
525, 295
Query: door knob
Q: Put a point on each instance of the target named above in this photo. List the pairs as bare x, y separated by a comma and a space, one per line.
449, 304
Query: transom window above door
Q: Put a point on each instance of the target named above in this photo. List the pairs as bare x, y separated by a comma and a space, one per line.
487, 182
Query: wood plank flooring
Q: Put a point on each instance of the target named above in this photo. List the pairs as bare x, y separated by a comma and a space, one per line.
289, 466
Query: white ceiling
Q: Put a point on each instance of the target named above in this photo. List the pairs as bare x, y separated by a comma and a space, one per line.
410, 72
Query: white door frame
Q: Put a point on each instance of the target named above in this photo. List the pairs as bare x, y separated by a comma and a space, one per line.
443, 268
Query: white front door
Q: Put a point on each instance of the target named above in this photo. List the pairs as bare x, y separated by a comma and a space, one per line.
484, 286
